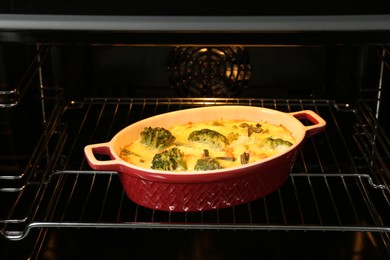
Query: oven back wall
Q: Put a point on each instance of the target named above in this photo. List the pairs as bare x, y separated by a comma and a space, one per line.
277, 72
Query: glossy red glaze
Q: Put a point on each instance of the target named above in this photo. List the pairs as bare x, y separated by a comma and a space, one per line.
205, 190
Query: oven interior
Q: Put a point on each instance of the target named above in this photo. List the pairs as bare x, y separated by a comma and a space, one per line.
56, 98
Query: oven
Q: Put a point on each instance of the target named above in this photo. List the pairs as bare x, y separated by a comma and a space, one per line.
73, 74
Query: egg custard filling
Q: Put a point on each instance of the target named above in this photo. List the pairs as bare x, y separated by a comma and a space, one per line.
207, 145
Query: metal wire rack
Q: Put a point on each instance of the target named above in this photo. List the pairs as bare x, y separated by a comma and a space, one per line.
340, 180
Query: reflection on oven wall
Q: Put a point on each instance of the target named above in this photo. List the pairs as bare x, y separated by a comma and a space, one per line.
276, 72
19, 108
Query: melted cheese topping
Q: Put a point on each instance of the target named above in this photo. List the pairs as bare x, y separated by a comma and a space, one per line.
240, 141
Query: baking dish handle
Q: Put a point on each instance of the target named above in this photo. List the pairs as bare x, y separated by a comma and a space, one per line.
104, 149
318, 124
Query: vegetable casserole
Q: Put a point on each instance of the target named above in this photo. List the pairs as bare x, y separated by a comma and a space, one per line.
207, 145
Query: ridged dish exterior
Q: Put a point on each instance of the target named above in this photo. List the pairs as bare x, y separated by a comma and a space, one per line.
245, 187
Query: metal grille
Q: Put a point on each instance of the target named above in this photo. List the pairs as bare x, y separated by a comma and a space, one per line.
209, 72
340, 181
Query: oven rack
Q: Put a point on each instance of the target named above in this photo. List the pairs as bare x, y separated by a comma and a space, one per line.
340, 181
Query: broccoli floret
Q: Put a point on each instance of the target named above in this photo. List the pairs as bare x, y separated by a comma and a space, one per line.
169, 160
209, 137
207, 163
157, 137
277, 143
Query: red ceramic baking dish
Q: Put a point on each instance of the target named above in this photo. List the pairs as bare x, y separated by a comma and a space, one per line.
205, 190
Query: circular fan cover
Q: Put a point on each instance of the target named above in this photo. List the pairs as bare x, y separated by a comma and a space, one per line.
209, 71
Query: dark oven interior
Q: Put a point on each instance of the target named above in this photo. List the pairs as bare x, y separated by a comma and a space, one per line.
64, 88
